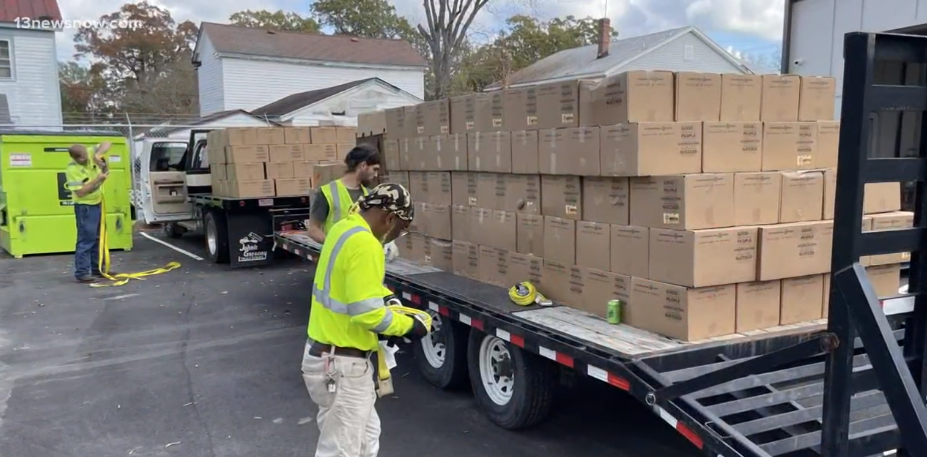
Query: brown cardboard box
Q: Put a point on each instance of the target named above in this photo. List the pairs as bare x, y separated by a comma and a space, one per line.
494, 228
466, 259
827, 145
560, 240
556, 279
895, 220
464, 188
293, 186
436, 116
882, 197
592, 245
698, 96
405, 154
297, 135
279, 170
562, 196
826, 299
244, 171
781, 95
463, 113
458, 154
523, 267
238, 136
490, 152
246, 154
630, 250
683, 313
270, 135
801, 299
287, 153
525, 152
460, 223
418, 154
391, 155
371, 123
732, 147
396, 123
217, 172
490, 110
703, 258
789, 145
520, 109
741, 96
651, 148
817, 99
439, 254
530, 234
320, 153
405, 247
399, 177
830, 191
430, 187
250, 189
602, 286
445, 155
319, 173
569, 151
866, 227
418, 247
516, 193
756, 198
885, 279
433, 220
802, 196
758, 305
346, 134
558, 105
411, 122
605, 199
343, 150
493, 266
795, 249
685, 202
323, 135
635, 96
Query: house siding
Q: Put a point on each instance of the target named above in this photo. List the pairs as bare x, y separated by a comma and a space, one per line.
33, 95
250, 84
209, 79
369, 97
671, 56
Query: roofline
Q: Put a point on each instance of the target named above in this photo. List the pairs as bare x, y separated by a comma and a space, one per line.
496, 86
319, 63
372, 81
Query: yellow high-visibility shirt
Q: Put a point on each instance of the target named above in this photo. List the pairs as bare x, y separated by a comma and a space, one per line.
339, 202
77, 175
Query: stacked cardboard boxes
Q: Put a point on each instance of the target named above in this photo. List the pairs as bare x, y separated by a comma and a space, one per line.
250, 162
705, 201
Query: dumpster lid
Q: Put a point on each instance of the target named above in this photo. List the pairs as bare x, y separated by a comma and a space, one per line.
67, 133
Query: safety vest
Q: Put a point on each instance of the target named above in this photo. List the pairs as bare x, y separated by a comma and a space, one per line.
347, 294
76, 175
339, 202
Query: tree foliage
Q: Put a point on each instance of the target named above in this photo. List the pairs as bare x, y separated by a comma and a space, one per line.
278, 20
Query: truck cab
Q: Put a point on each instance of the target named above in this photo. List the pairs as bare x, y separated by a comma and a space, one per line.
170, 171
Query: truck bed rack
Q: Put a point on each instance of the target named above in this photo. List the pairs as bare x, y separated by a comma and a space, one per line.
764, 413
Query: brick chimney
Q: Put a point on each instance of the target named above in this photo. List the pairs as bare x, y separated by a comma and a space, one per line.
605, 32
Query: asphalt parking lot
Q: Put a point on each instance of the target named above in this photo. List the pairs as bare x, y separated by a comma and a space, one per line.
204, 361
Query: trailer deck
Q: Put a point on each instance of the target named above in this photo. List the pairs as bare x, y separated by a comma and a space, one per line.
765, 412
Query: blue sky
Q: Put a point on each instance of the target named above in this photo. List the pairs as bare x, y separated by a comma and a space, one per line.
750, 26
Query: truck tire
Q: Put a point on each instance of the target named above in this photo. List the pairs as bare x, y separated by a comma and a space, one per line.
217, 239
513, 388
441, 357
173, 230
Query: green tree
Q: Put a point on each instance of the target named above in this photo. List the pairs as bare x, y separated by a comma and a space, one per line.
278, 20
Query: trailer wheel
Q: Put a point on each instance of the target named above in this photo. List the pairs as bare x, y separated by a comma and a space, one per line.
513, 388
217, 240
442, 355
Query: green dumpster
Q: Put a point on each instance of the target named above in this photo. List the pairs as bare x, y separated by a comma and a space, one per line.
36, 216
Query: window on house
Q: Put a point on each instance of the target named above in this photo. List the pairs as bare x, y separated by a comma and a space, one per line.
6, 60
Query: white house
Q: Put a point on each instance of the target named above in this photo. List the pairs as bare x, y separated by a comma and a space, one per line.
338, 105
247, 68
29, 91
680, 49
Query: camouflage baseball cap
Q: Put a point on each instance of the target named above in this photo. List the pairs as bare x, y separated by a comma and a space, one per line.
391, 197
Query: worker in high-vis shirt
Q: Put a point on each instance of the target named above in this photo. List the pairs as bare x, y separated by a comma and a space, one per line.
84, 178
346, 319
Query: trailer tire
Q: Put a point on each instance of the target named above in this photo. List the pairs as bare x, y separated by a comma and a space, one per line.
530, 382
443, 363
217, 239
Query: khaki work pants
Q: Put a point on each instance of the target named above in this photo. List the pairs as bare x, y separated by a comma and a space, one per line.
348, 422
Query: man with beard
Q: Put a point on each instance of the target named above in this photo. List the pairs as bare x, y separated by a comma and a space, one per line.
333, 200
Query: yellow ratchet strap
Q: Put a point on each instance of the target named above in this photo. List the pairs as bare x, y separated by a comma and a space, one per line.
104, 262
384, 382
525, 294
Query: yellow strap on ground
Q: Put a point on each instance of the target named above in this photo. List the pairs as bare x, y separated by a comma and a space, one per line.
382, 369
120, 279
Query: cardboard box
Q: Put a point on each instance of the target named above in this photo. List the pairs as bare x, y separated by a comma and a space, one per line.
320, 153
463, 113
630, 250
498, 229
685, 202
593, 245
217, 172
732, 147
606, 199
435, 117
817, 99
490, 109
758, 305
882, 197
525, 152
795, 249
802, 196
741, 96
489, 152
449, 153
895, 220
558, 105
371, 123
346, 134
703, 258
320, 174
562, 196
830, 192
885, 279
828, 142
279, 170
684, 313
651, 148
411, 122
493, 266
270, 135
433, 220
430, 187
414, 152
323, 135
756, 198
560, 240
464, 186
293, 186
801, 299
515, 193
391, 155
780, 101
236, 136
418, 247
396, 122
569, 151
789, 145
343, 150
244, 171
250, 189
556, 278
399, 177
460, 223
635, 96
601, 286
297, 135
246, 154
466, 259
523, 267
698, 96
287, 153
439, 254
530, 234
520, 107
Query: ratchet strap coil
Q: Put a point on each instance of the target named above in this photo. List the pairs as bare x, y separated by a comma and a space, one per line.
525, 294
